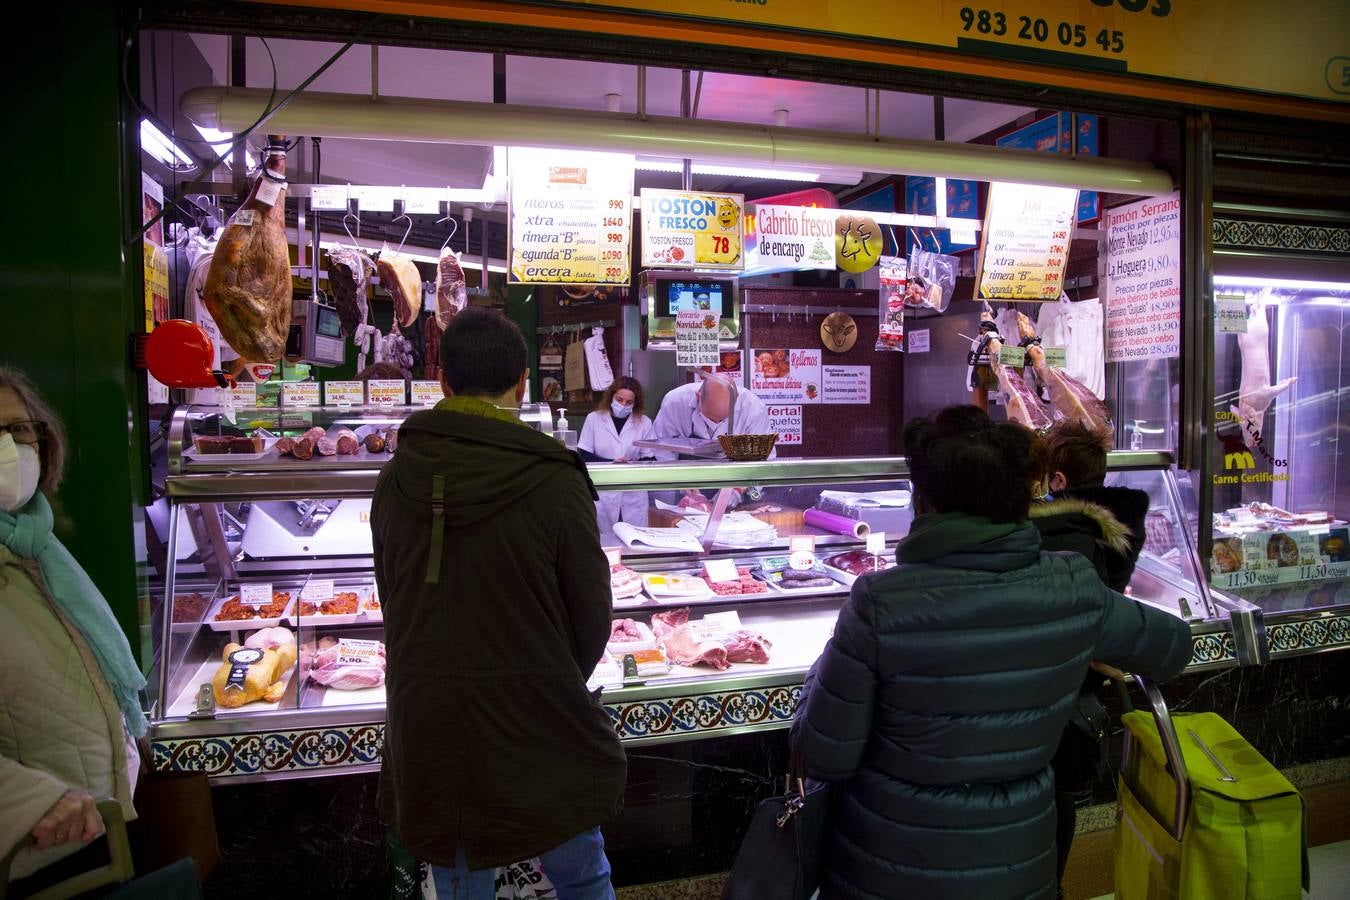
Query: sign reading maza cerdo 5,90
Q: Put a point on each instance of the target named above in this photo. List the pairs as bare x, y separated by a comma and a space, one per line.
1298, 49
692, 230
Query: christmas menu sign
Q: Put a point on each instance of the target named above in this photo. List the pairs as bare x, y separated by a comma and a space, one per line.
570, 217
1027, 230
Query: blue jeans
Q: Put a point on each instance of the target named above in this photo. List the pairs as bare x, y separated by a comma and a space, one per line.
578, 870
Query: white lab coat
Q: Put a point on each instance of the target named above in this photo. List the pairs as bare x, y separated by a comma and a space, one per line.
599, 436
680, 418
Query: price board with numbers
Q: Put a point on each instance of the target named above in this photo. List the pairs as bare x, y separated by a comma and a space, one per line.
692, 230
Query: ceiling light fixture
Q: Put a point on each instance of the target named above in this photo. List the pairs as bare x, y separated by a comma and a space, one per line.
158, 145
740, 172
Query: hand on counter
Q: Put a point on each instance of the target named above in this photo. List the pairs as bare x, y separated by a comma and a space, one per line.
72, 819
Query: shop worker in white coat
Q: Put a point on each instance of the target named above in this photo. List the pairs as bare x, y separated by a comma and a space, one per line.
608, 436
702, 410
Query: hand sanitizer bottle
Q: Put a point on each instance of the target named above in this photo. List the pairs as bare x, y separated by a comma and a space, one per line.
562, 433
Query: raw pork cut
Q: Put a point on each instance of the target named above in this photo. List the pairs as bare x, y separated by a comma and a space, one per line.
624, 631
452, 295
329, 671
673, 630
347, 272
399, 276
248, 287
747, 647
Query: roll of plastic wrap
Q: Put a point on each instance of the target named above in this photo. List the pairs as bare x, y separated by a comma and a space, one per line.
836, 524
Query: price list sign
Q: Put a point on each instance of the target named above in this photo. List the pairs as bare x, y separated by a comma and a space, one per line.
571, 217
696, 339
1142, 298
1027, 230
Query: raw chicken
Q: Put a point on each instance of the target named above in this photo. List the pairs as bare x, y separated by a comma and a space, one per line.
248, 286
1255, 392
264, 680
270, 638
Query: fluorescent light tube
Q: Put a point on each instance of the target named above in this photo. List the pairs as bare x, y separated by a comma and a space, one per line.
158, 145
1289, 283
731, 171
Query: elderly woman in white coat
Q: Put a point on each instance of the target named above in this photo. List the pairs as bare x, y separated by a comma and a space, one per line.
609, 435
69, 686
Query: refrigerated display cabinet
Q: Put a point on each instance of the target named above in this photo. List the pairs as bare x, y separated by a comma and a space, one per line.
290, 539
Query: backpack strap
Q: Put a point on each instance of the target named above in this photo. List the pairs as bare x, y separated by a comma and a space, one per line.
437, 529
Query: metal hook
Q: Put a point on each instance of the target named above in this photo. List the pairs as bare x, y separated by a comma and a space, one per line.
453, 230
347, 228
405, 233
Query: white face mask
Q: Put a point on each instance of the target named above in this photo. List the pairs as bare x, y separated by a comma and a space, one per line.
20, 469
620, 411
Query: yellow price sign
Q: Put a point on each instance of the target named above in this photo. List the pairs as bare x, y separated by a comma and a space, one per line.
692, 229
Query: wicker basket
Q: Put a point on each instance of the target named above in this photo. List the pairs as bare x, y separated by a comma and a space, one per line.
747, 447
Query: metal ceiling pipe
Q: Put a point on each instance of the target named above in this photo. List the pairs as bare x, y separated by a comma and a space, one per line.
716, 143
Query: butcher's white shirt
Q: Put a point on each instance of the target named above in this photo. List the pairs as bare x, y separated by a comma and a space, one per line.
680, 418
599, 436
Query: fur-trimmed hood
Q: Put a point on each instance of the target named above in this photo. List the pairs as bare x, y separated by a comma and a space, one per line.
1112, 532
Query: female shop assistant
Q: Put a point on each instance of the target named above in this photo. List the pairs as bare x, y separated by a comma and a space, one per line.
609, 435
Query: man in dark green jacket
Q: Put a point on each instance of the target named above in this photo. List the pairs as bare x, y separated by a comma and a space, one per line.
939, 701
496, 610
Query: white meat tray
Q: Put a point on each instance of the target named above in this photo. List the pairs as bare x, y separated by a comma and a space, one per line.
245, 624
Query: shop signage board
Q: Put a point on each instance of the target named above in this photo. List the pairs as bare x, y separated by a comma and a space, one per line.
786, 421
1244, 44
693, 230
1027, 231
790, 237
570, 217
846, 384
1142, 288
696, 339
781, 375
1313, 555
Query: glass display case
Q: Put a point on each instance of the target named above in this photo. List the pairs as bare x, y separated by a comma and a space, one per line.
1281, 476
270, 653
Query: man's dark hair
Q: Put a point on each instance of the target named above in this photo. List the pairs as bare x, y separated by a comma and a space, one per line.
482, 353
1079, 452
963, 461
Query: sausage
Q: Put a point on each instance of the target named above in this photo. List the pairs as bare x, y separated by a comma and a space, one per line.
304, 448
347, 444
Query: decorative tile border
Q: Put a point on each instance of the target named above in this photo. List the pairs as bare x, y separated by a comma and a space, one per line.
1313, 634
272, 753
1249, 235
1216, 647
668, 717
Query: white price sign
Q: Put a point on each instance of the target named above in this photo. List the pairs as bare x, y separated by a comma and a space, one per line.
1027, 231
876, 542
376, 199
422, 202
387, 391
786, 421
721, 571
255, 594
1230, 314
328, 196
300, 393
427, 393
344, 393
317, 589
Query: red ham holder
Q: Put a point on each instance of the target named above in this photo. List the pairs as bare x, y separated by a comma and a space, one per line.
179, 354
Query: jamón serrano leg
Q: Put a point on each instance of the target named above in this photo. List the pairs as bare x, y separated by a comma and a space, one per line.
1024, 407
1070, 399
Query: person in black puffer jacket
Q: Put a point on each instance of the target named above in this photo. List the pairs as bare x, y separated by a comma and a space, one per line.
1105, 525
940, 699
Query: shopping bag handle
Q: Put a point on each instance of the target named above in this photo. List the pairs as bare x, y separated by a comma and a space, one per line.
1176, 763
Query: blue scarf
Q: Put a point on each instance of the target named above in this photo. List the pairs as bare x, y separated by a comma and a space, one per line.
29, 535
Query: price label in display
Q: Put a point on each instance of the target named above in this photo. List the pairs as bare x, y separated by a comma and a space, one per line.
427, 393
344, 393
376, 199
802, 551
1230, 314
729, 621
1254, 557
721, 571
962, 231
317, 589
1012, 356
269, 190
1027, 233
244, 396
255, 594
387, 391
328, 196
422, 202
876, 543
357, 652
300, 393
1056, 357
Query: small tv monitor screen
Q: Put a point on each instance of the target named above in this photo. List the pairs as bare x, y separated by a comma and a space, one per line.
694, 296
328, 324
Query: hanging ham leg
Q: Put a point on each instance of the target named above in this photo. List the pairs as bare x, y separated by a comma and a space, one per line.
1024, 407
1070, 399
452, 295
1255, 392
248, 287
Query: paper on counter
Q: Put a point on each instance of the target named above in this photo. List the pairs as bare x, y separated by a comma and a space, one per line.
659, 538
898, 499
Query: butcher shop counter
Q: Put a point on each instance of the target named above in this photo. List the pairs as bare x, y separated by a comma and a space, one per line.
278, 565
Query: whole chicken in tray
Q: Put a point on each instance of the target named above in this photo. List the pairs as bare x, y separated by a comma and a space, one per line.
248, 286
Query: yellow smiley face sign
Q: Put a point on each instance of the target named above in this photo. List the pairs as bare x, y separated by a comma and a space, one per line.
857, 243
728, 214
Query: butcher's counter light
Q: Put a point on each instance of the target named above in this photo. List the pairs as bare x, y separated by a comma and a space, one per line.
714, 628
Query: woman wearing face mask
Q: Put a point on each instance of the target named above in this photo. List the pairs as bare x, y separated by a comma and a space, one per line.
69, 687
609, 435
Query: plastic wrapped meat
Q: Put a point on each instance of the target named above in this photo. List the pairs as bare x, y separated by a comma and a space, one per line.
1070, 399
347, 274
452, 294
399, 276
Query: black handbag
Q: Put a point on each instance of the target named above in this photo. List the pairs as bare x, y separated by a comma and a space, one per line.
784, 849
